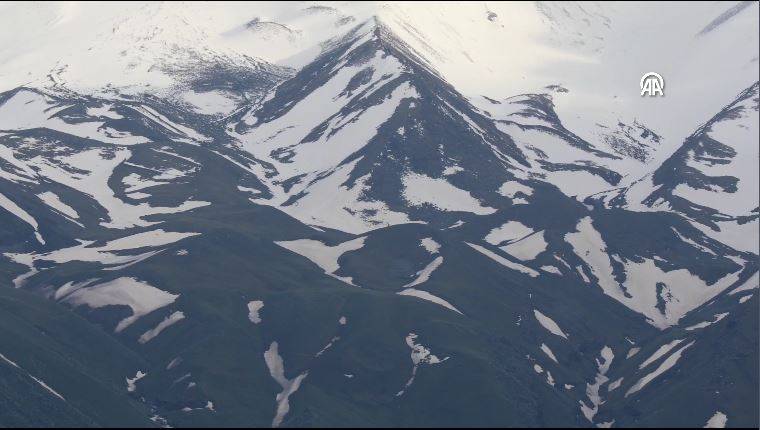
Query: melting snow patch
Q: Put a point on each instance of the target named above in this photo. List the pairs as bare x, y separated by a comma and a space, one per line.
21, 214
510, 189
140, 296
704, 324
503, 261
71, 286
210, 102
549, 324
424, 295
424, 274
103, 254
451, 170
457, 224
664, 349
183, 378
95, 183
51, 199
422, 190
509, 232
528, 248
539, 370
161, 421
165, 122
641, 290
717, 421
289, 386
420, 356
615, 384
209, 406
254, 307
152, 238
9, 361
551, 269
324, 256
664, 366
328, 346
163, 325
47, 387
330, 201
131, 387
750, 284
40, 382
548, 352
29, 109
549, 378
138, 196
592, 390
632, 352
174, 363
104, 111
430, 245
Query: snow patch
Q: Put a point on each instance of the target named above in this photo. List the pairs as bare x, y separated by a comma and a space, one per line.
140, 296
420, 355
163, 325
430, 245
254, 307
276, 367
21, 214
324, 256
549, 324
549, 352
592, 390
640, 290
503, 261
508, 232
662, 350
421, 190
52, 200
704, 324
424, 295
40, 382
131, 382
664, 366
717, 421
511, 188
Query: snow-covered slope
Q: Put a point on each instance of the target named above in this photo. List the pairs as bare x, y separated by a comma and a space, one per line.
366, 137
712, 178
598, 51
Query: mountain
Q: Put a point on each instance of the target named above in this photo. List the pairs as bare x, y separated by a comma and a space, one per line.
303, 215
710, 179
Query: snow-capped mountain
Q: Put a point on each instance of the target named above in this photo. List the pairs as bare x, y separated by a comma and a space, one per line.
378, 214
711, 179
